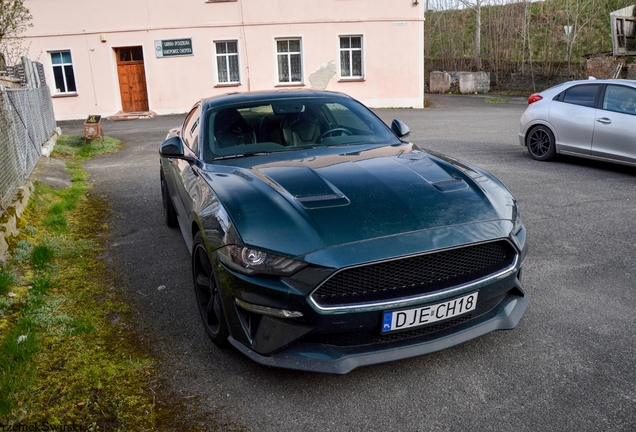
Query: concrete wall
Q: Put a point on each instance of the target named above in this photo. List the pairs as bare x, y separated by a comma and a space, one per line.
392, 35
474, 82
439, 82
465, 82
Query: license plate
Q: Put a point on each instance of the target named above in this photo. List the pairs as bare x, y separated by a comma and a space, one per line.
423, 315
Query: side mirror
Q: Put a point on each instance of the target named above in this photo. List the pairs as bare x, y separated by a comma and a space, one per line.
400, 129
171, 148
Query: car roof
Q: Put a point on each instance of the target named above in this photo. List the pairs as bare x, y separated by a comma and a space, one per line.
239, 97
603, 81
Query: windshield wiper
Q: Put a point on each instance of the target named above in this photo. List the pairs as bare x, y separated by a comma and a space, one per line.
241, 155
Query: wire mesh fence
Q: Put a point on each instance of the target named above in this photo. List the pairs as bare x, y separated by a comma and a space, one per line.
26, 122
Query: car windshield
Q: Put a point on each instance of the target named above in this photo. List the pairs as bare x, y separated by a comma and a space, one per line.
278, 125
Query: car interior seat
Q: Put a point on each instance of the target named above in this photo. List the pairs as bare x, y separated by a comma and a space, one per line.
300, 129
231, 129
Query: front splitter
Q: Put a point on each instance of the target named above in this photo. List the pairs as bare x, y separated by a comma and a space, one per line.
305, 357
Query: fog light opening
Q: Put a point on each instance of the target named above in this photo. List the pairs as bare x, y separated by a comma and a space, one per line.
264, 310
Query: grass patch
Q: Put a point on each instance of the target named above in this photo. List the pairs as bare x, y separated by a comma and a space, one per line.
7, 280
73, 146
62, 360
42, 256
497, 100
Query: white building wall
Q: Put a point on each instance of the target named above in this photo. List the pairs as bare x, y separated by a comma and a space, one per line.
392, 32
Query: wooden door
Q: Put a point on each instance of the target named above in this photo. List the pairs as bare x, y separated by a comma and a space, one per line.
132, 79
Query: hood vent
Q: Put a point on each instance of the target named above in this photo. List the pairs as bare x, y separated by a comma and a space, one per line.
450, 185
321, 201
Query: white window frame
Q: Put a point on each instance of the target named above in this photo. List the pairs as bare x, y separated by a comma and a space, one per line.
61, 65
227, 61
350, 51
288, 54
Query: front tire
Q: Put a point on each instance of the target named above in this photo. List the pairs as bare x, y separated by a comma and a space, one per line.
207, 293
541, 143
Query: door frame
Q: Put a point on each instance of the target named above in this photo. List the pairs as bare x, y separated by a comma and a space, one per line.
135, 56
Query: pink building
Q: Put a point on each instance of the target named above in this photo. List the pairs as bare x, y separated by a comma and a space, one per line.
163, 55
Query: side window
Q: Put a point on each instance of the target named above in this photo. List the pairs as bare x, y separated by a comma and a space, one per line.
584, 95
227, 62
351, 56
289, 60
620, 99
190, 133
63, 72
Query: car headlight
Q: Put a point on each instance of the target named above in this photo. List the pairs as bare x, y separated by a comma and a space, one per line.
252, 261
516, 219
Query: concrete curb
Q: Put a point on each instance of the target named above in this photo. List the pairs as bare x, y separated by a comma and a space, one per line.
10, 217
9, 220
48, 145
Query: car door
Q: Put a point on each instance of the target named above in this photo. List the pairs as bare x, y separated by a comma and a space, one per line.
573, 114
614, 136
182, 173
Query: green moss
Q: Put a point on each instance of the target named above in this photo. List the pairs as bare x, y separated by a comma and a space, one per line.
497, 100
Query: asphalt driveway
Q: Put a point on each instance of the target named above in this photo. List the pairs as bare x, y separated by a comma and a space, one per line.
569, 365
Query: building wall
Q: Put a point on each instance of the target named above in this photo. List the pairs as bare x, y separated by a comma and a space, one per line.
392, 32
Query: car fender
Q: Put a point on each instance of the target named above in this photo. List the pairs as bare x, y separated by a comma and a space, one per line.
531, 125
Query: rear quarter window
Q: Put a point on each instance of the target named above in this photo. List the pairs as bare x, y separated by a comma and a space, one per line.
584, 95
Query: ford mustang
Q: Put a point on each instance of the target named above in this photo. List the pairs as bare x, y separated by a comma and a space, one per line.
322, 240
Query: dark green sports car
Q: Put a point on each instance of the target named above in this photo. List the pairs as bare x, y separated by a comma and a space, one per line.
322, 241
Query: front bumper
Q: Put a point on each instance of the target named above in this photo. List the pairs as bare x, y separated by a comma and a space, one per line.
303, 335
331, 359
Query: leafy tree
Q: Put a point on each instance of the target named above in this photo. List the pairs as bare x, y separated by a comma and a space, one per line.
14, 19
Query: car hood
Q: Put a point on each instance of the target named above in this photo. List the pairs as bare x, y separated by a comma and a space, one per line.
299, 202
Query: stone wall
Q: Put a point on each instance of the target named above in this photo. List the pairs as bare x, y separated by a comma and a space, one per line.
602, 67
10, 82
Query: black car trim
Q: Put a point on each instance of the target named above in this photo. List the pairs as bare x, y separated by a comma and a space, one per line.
413, 300
299, 356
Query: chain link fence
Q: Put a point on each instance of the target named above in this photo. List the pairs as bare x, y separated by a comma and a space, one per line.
26, 122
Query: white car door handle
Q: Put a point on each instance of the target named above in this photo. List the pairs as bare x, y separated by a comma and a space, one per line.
604, 120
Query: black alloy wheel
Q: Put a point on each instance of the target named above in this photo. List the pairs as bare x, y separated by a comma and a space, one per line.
169, 212
541, 145
207, 293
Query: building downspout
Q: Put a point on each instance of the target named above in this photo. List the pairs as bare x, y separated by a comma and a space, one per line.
247, 63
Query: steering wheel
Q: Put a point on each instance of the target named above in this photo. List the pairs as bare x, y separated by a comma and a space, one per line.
342, 132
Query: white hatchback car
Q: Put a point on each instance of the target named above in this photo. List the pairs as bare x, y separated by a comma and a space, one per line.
594, 119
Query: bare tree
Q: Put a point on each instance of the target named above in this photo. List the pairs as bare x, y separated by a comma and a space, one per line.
476, 6
577, 19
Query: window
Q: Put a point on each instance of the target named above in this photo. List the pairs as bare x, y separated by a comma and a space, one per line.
584, 95
130, 54
190, 132
351, 56
63, 72
289, 61
620, 99
227, 64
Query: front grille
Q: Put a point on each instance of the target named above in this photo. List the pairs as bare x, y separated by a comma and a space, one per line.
414, 275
